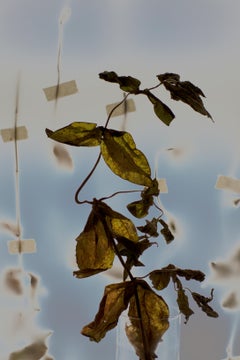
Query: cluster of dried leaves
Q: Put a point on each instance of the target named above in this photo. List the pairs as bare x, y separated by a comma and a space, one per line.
109, 233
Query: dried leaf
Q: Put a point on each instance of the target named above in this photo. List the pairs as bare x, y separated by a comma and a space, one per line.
94, 252
168, 236
114, 302
160, 279
184, 91
77, 134
124, 159
183, 304
118, 224
150, 228
126, 83
162, 111
141, 207
154, 318
203, 301
191, 274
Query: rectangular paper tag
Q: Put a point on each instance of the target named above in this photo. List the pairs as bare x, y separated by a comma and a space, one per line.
61, 90
228, 183
23, 246
129, 106
162, 186
9, 134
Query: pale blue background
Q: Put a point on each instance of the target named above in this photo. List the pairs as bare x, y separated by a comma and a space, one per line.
199, 40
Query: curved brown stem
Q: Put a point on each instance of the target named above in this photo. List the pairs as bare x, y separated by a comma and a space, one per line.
85, 181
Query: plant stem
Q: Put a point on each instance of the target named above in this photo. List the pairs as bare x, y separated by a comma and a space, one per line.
86, 180
147, 354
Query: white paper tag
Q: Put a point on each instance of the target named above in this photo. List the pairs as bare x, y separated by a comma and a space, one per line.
22, 246
128, 106
228, 183
9, 134
61, 90
162, 186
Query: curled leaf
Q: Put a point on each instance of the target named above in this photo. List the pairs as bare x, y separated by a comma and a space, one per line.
124, 159
184, 91
77, 134
115, 300
168, 236
146, 332
126, 83
183, 304
203, 301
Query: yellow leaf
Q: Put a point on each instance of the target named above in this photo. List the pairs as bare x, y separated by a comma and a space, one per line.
77, 134
94, 252
114, 302
154, 317
124, 159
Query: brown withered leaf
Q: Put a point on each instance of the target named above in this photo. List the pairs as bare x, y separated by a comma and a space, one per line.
184, 91
150, 228
183, 304
203, 301
160, 279
166, 232
146, 333
115, 300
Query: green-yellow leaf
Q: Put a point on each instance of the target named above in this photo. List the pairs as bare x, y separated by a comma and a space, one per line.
115, 300
118, 224
77, 134
124, 159
183, 304
162, 111
154, 316
94, 251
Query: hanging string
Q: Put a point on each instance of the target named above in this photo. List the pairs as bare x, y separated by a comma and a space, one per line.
18, 215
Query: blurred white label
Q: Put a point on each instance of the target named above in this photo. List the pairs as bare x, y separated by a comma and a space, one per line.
9, 134
22, 246
61, 90
128, 106
228, 183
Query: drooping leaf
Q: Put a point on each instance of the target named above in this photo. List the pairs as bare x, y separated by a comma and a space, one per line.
163, 112
183, 304
118, 224
77, 134
126, 83
115, 300
141, 207
184, 91
160, 279
124, 159
132, 251
166, 232
203, 301
154, 317
94, 251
